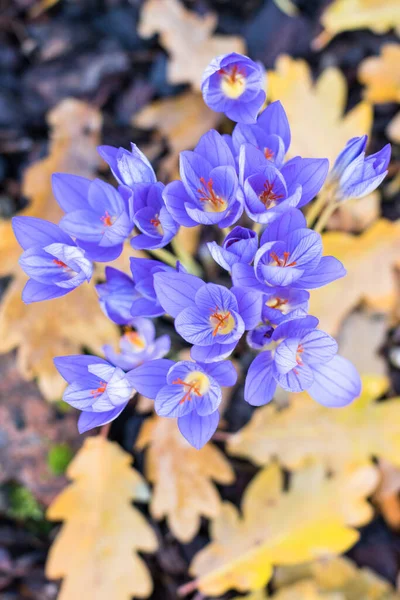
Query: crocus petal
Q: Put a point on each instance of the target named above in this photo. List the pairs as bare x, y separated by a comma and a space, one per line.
260, 384
146, 307
195, 326
214, 147
310, 173
176, 291
88, 420
273, 120
285, 355
281, 228
76, 366
70, 191
209, 402
176, 197
100, 253
150, 377
250, 305
336, 383
318, 347
329, 269
170, 401
214, 353
31, 231
211, 296
34, 291
297, 380
223, 372
244, 276
198, 430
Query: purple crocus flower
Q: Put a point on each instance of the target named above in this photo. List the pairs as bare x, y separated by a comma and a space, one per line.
354, 175
207, 193
289, 255
209, 316
188, 391
233, 84
270, 134
138, 345
283, 302
240, 245
128, 168
269, 191
98, 389
97, 215
51, 258
143, 271
151, 217
304, 359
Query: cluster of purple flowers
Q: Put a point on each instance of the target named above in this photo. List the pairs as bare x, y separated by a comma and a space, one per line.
243, 184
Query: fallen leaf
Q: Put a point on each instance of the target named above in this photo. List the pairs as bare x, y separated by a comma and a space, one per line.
348, 15
335, 579
387, 495
182, 477
182, 120
96, 549
187, 37
393, 129
29, 428
316, 109
381, 75
316, 517
306, 431
43, 330
370, 259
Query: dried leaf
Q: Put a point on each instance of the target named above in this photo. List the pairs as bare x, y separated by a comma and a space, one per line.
387, 496
308, 432
182, 120
182, 477
381, 75
370, 260
336, 579
96, 549
315, 517
316, 110
348, 15
44, 330
187, 37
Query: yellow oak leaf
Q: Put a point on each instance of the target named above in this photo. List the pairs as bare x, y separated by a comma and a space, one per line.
182, 477
381, 75
188, 37
316, 517
335, 579
306, 432
316, 109
96, 550
62, 326
370, 259
348, 15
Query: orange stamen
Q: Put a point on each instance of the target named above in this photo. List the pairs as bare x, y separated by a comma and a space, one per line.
134, 338
156, 221
100, 390
282, 262
193, 388
233, 74
207, 193
300, 350
60, 263
106, 219
278, 302
221, 320
268, 196
268, 153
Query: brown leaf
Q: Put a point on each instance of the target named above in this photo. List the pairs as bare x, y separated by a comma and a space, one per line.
29, 427
44, 330
182, 120
188, 38
182, 477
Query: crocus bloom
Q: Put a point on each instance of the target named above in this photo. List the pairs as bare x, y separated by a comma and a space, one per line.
354, 175
97, 215
233, 84
269, 191
270, 134
98, 389
207, 192
240, 245
209, 316
304, 359
51, 258
116, 296
143, 271
151, 217
138, 345
188, 391
128, 168
283, 302
289, 255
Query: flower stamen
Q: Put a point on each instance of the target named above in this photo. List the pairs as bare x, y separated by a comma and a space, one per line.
269, 155
100, 390
194, 387
268, 196
106, 219
208, 194
282, 262
300, 351
60, 263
